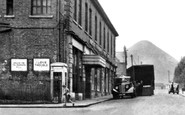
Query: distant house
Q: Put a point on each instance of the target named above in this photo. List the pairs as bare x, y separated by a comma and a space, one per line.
121, 65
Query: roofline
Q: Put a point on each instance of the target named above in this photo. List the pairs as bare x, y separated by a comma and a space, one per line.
104, 16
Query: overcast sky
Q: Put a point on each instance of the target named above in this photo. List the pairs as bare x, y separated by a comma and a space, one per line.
160, 21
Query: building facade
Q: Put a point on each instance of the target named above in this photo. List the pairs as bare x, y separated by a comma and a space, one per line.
92, 42
37, 33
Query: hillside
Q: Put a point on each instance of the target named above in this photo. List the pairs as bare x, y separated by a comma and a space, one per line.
145, 52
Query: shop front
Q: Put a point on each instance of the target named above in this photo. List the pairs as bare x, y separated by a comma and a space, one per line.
94, 74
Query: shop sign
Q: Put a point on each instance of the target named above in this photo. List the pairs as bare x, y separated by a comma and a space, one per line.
41, 64
19, 65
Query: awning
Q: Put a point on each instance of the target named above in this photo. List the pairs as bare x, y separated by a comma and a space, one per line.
94, 61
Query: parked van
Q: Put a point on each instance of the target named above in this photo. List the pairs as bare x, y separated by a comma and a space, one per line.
123, 87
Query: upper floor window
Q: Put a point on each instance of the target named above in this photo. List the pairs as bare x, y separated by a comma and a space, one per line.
80, 13
100, 34
90, 21
108, 41
9, 7
111, 45
41, 7
95, 31
86, 17
75, 10
104, 39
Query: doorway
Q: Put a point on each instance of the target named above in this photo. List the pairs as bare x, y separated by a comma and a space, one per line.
57, 80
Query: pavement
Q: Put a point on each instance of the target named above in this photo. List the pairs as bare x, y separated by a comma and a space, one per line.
83, 103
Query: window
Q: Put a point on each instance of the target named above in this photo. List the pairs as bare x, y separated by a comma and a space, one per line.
100, 30
86, 17
107, 41
104, 38
111, 46
95, 28
9, 7
75, 10
80, 13
90, 21
114, 44
41, 7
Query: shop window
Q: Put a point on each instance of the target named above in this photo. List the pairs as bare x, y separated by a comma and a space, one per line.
41, 7
9, 7
77, 70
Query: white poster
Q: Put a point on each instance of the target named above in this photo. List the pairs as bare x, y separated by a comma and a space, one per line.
41, 64
19, 65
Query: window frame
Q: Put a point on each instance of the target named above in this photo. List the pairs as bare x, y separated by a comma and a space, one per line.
47, 6
9, 7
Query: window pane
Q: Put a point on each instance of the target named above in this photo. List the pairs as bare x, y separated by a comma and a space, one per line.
34, 2
9, 7
49, 10
38, 2
44, 10
34, 10
38, 10
44, 2
49, 2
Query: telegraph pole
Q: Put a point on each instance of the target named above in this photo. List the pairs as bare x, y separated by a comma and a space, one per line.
133, 71
125, 53
131, 59
168, 76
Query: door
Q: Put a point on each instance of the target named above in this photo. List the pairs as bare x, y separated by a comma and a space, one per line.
88, 83
57, 76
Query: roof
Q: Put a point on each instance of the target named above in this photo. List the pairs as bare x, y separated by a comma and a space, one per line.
104, 16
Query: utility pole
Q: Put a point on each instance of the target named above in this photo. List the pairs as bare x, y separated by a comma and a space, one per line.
133, 71
125, 55
59, 30
168, 76
131, 59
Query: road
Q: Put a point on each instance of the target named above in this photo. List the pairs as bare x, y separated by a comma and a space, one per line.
161, 103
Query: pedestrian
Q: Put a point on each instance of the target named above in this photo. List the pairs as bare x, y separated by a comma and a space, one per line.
141, 88
67, 95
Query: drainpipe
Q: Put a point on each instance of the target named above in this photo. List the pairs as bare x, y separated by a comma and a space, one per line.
59, 49
59, 29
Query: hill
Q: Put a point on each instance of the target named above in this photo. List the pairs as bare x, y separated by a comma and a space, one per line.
145, 52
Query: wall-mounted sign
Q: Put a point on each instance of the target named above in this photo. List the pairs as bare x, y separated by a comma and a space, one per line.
19, 65
41, 64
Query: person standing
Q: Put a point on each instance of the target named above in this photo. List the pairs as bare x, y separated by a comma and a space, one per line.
67, 95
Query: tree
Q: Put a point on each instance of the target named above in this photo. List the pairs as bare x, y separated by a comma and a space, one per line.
179, 75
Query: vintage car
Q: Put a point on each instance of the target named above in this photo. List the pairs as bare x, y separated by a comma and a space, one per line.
173, 88
123, 87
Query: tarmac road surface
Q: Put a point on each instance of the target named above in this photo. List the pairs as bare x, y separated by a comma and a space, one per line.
161, 103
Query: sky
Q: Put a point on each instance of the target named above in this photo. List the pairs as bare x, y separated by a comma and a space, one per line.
161, 22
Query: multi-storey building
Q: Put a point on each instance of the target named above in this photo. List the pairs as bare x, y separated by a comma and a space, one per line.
36, 33
92, 43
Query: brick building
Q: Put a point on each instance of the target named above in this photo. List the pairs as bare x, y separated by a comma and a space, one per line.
75, 32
